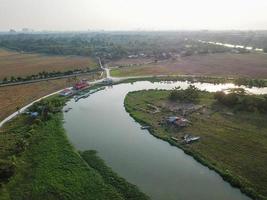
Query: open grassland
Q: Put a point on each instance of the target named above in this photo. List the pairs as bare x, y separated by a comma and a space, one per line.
232, 143
20, 95
23, 64
41, 164
225, 64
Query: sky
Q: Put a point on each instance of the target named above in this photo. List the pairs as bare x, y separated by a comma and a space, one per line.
82, 15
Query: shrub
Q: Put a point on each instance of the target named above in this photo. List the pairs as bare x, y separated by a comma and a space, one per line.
190, 94
7, 169
239, 100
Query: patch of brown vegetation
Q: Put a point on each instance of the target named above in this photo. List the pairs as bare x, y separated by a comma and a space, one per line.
23, 64
226, 64
130, 61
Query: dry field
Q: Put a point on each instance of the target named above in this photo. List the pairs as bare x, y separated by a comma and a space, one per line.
130, 61
233, 65
22, 64
20, 95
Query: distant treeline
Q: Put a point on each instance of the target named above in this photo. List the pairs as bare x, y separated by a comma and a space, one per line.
111, 45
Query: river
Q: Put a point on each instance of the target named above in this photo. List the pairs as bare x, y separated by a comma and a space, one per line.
232, 45
162, 171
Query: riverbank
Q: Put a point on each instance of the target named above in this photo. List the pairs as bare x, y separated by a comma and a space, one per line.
227, 138
128, 190
38, 162
201, 79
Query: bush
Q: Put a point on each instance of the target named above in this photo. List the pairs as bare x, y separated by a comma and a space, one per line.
190, 94
7, 169
239, 100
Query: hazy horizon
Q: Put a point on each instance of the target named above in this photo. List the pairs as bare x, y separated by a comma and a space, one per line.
115, 15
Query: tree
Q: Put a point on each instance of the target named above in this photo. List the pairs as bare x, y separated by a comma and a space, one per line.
190, 94
4, 80
12, 79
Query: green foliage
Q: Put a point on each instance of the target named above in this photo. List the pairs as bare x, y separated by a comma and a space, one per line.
190, 94
129, 191
51, 169
251, 82
7, 169
241, 101
48, 106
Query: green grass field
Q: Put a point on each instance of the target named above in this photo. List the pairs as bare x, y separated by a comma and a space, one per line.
234, 144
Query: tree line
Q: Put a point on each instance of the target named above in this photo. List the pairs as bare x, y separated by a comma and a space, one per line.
239, 100
45, 74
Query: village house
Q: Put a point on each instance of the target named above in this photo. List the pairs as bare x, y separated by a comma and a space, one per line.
81, 85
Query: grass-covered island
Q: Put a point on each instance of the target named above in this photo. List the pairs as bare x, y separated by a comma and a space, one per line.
38, 162
226, 132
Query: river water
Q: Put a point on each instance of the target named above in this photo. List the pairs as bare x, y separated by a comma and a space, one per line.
231, 45
162, 171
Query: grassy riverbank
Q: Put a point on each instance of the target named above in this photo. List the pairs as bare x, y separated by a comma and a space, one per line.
38, 162
127, 190
234, 143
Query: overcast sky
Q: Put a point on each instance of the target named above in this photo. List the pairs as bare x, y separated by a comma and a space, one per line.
133, 14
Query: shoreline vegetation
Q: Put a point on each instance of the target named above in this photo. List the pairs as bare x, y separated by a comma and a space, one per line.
227, 136
128, 190
248, 82
38, 162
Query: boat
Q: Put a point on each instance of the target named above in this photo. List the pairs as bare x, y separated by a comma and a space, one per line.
175, 139
67, 110
145, 127
191, 139
85, 95
81, 97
